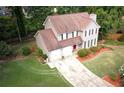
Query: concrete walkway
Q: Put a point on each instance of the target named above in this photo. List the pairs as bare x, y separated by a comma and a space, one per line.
78, 75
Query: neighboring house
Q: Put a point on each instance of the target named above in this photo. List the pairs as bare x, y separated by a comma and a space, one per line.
65, 33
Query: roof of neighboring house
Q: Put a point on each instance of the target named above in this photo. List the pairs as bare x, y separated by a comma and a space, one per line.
70, 22
52, 43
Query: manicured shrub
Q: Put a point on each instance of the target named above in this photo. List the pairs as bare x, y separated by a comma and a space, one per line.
40, 52
44, 56
94, 49
113, 76
26, 51
5, 49
83, 52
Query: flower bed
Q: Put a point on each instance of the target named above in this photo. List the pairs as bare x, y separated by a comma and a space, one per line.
115, 82
92, 55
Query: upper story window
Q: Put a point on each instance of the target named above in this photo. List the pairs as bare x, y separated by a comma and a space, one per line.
66, 35
85, 33
92, 31
72, 34
89, 32
61, 36
69, 35
77, 33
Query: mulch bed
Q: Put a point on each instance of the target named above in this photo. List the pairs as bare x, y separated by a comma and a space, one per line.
115, 82
92, 55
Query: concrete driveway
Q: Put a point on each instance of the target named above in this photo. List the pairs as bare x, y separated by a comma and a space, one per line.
78, 75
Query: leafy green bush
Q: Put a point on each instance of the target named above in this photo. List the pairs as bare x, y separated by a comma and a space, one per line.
26, 51
5, 49
113, 76
94, 49
40, 52
121, 38
83, 52
45, 56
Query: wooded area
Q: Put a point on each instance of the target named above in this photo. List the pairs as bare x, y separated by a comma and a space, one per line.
18, 26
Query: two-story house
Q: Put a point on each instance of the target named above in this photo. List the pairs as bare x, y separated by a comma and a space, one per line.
65, 33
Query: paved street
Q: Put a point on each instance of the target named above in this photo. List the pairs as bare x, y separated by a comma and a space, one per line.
78, 75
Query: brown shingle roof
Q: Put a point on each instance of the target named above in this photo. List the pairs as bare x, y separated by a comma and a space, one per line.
71, 41
70, 22
52, 43
49, 39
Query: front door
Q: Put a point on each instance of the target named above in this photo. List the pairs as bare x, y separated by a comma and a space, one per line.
74, 47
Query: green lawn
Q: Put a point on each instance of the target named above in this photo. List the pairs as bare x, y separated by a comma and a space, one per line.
113, 42
107, 62
29, 72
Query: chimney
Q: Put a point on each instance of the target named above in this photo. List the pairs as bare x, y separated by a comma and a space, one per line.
93, 16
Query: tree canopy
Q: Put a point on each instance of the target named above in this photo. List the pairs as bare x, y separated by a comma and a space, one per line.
108, 17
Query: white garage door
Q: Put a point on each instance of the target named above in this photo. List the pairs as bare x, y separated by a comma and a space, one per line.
56, 54
67, 51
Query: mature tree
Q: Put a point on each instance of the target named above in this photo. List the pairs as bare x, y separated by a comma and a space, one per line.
109, 18
7, 28
19, 20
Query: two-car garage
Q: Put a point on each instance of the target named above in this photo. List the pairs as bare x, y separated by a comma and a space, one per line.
59, 53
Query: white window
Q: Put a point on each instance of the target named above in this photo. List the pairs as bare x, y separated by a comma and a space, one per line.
61, 36
72, 34
92, 31
88, 43
91, 42
85, 33
75, 32
95, 41
89, 32
69, 35
64, 36
96, 31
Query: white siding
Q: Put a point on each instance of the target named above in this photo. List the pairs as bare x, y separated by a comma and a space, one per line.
56, 54
40, 43
50, 25
67, 51
88, 36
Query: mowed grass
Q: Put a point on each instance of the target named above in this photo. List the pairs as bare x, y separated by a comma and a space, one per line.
106, 63
29, 72
113, 42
